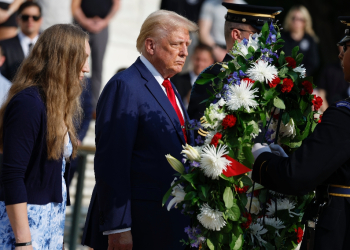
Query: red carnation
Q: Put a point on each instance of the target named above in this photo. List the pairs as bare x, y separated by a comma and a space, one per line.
320, 119
317, 102
300, 234
302, 92
308, 86
229, 121
287, 85
274, 82
216, 138
291, 62
248, 80
242, 190
248, 222
256, 193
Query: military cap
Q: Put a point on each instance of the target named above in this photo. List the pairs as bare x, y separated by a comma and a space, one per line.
253, 15
345, 20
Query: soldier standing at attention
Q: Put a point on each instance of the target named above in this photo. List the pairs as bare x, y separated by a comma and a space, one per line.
322, 161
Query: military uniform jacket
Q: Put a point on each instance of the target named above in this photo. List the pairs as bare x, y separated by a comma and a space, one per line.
323, 159
199, 92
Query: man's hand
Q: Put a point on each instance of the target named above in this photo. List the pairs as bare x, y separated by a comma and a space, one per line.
120, 241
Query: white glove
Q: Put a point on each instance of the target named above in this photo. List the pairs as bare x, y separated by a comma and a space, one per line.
277, 150
259, 148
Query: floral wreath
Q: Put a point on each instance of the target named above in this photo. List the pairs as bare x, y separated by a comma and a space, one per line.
259, 87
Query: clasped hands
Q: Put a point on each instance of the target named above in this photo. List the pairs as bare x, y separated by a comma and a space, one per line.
259, 148
120, 241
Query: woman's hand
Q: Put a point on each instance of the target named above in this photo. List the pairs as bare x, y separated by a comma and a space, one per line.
4, 15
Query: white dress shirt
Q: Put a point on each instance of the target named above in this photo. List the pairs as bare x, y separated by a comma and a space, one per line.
25, 41
160, 80
5, 85
193, 77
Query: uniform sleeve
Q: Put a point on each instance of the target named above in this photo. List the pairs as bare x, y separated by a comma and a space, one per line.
116, 131
21, 128
320, 155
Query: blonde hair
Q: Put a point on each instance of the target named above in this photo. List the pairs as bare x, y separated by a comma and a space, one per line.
53, 67
159, 23
308, 20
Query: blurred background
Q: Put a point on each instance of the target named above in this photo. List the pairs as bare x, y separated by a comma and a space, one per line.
310, 24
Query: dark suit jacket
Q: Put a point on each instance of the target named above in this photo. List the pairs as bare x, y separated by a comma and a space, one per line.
183, 84
136, 127
199, 92
14, 57
324, 158
27, 175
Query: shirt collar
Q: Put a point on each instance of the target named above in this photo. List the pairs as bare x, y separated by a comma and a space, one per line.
152, 69
193, 77
27, 40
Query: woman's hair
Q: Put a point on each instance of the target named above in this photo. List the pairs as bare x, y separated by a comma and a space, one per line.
308, 20
159, 24
54, 66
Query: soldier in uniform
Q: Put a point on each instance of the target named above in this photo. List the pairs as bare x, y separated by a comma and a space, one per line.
242, 20
323, 160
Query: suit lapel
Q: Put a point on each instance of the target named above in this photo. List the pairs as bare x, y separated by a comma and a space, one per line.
158, 93
19, 47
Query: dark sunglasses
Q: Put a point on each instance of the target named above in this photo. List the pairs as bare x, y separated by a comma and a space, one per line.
345, 47
25, 18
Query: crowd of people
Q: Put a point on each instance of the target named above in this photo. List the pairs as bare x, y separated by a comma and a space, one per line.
141, 114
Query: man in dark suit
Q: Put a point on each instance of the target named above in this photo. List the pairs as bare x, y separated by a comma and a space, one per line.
17, 48
202, 58
242, 20
140, 119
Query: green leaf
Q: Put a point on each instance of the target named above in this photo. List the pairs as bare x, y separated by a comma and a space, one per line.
233, 241
231, 66
190, 196
248, 156
295, 144
269, 94
265, 30
210, 244
268, 246
239, 243
285, 118
230, 179
255, 126
205, 190
234, 213
249, 55
277, 46
168, 193
207, 76
293, 75
283, 72
228, 197
263, 118
314, 124
202, 81
278, 103
251, 50
297, 116
299, 59
189, 177
281, 60
295, 51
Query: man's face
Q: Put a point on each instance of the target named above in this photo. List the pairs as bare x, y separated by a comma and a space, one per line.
201, 60
26, 21
345, 61
170, 52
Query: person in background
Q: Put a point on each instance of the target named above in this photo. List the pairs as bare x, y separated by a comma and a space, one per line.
331, 85
202, 58
8, 25
187, 8
94, 17
5, 84
55, 12
17, 48
298, 32
211, 25
38, 137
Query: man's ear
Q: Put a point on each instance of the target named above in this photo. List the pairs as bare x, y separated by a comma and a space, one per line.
2, 60
236, 35
150, 46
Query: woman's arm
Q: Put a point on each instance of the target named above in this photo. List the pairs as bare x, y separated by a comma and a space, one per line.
5, 14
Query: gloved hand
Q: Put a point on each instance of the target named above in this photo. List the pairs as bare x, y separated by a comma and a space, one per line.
277, 150
259, 148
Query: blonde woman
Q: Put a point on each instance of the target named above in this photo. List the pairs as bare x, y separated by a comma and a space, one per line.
37, 136
298, 32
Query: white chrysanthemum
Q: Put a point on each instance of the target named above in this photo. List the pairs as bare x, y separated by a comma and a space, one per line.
262, 71
213, 162
257, 230
242, 96
274, 222
211, 218
301, 70
178, 193
253, 42
221, 102
275, 193
215, 115
282, 204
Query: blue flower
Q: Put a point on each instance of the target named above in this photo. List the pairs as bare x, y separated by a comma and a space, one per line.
268, 135
242, 74
195, 164
199, 140
245, 41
